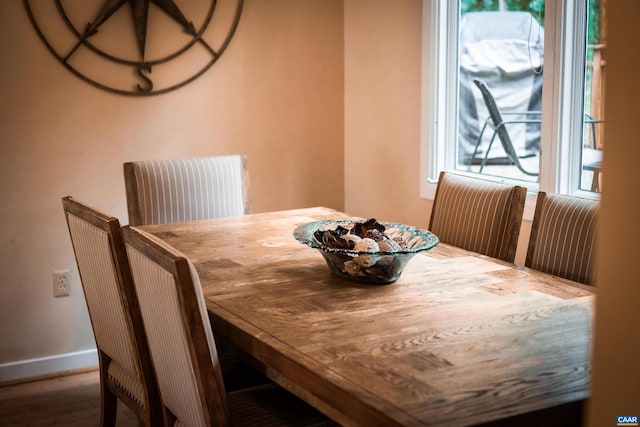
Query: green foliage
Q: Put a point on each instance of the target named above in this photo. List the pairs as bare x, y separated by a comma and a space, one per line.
536, 8
594, 23
478, 5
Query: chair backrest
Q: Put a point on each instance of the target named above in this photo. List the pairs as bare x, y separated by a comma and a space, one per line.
111, 301
478, 215
180, 337
161, 191
496, 118
563, 237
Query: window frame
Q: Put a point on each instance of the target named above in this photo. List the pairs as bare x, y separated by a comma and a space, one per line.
563, 88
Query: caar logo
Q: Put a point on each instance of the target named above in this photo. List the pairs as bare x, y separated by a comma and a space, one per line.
627, 420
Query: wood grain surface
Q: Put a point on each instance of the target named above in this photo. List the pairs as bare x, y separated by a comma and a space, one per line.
459, 339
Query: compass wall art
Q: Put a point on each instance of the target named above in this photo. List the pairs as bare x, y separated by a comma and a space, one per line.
136, 47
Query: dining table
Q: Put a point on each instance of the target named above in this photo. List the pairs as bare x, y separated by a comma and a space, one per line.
459, 339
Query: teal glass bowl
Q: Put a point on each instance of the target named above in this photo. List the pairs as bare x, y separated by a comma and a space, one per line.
378, 268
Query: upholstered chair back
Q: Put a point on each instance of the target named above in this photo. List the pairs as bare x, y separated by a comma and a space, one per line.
478, 215
563, 237
172, 190
180, 337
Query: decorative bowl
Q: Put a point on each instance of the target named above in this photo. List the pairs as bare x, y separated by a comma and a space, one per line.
380, 266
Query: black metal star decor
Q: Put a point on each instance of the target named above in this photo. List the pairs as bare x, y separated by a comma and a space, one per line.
136, 47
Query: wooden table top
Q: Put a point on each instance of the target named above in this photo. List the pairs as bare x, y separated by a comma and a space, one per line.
459, 339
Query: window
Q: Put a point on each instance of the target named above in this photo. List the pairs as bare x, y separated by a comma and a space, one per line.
530, 59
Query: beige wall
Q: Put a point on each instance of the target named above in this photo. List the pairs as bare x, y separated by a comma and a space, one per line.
382, 110
276, 94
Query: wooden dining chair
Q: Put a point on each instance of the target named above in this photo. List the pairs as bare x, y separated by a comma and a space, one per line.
172, 190
126, 372
478, 215
183, 348
563, 237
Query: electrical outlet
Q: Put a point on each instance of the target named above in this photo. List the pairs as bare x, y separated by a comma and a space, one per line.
61, 283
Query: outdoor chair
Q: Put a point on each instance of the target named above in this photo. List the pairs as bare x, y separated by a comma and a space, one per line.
563, 237
183, 348
592, 161
478, 215
500, 127
499, 122
126, 373
592, 158
173, 190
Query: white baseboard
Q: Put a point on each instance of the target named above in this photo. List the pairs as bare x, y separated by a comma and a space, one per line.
48, 365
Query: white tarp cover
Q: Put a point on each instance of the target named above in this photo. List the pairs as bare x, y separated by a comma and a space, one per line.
505, 50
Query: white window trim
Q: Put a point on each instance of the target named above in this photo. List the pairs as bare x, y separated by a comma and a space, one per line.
433, 106
562, 91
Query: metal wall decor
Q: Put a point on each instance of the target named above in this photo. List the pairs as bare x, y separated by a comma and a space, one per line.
148, 48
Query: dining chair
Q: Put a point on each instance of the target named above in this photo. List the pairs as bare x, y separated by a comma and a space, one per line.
478, 215
183, 349
172, 190
563, 237
126, 372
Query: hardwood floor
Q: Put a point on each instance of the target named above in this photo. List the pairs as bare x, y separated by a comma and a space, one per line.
70, 400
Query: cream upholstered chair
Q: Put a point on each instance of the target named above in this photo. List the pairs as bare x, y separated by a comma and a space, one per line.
478, 215
126, 372
161, 191
183, 349
563, 237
